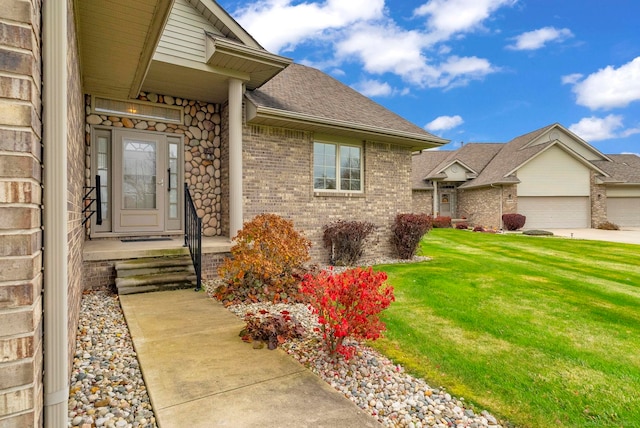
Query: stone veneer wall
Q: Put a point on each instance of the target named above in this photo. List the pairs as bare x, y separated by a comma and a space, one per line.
21, 389
598, 196
480, 206
75, 177
201, 129
422, 201
278, 179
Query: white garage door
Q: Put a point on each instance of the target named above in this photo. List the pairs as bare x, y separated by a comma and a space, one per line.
560, 212
624, 211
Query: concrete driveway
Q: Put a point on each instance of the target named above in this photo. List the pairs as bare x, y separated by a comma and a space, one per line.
627, 235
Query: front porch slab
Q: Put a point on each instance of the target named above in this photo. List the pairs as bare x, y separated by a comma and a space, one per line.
100, 255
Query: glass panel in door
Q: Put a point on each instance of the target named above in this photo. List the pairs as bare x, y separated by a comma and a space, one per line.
139, 191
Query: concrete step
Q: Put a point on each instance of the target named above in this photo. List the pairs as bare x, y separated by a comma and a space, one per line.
156, 287
154, 274
125, 273
152, 262
156, 279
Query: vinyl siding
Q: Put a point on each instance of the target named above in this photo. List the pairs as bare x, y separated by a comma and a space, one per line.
553, 173
623, 192
459, 175
183, 36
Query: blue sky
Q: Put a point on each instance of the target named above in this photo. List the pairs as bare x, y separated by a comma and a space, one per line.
472, 70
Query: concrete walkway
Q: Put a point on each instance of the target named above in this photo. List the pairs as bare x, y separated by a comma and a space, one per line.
200, 374
626, 235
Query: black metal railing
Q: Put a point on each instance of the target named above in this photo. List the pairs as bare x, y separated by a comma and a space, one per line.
193, 234
89, 199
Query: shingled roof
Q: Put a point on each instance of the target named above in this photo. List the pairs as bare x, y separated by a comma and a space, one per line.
316, 101
430, 164
624, 169
496, 163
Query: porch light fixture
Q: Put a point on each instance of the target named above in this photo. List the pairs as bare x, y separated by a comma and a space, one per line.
137, 110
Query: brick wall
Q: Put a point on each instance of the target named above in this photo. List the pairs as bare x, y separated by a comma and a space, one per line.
20, 216
422, 201
210, 264
99, 275
278, 179
75, 176
480, 206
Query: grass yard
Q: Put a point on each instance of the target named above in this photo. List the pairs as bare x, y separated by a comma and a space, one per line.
540, 331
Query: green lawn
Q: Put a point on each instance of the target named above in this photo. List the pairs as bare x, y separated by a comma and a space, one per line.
539, 331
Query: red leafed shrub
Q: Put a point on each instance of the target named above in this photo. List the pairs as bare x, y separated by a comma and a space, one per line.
408, 230
478, 229
272, 329
345, 240
513, 221
441, 222
266, 263
348, 304
462, 226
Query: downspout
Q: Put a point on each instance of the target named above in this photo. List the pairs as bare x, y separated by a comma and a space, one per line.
54, 124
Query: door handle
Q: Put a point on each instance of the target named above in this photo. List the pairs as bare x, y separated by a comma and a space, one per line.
169, 179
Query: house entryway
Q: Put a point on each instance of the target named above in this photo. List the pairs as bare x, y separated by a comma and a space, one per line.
140, 189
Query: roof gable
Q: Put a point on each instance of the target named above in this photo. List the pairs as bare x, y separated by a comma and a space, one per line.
223, 22
201, 48
549, 146
557, 132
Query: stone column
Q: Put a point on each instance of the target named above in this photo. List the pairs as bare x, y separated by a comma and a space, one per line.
235, 157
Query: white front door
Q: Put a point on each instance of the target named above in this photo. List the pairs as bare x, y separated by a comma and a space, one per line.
140, 167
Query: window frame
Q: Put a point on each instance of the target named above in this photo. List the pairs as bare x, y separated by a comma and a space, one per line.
338, 168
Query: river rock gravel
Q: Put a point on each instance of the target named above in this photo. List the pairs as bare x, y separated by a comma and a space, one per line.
107, 389
372, 381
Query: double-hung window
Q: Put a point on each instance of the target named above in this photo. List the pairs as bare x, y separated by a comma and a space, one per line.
337, 167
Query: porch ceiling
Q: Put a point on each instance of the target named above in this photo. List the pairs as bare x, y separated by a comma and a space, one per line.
116, 40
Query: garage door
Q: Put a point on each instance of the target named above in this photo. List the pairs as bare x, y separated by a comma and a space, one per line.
560, 212
624, 211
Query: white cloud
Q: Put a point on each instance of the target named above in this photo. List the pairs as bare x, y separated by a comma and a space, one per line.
373, 88
389, 49
536, 39
444, 123
363, 31
572, 79
459, 71
279, 24
596, 128
448, 17
610, 87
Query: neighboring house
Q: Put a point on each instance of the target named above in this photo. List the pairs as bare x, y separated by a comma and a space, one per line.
146, 98
552, 176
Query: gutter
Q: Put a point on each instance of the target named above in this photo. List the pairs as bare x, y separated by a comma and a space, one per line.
55, 254
261, 114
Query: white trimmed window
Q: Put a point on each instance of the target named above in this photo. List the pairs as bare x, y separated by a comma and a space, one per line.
337, 167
